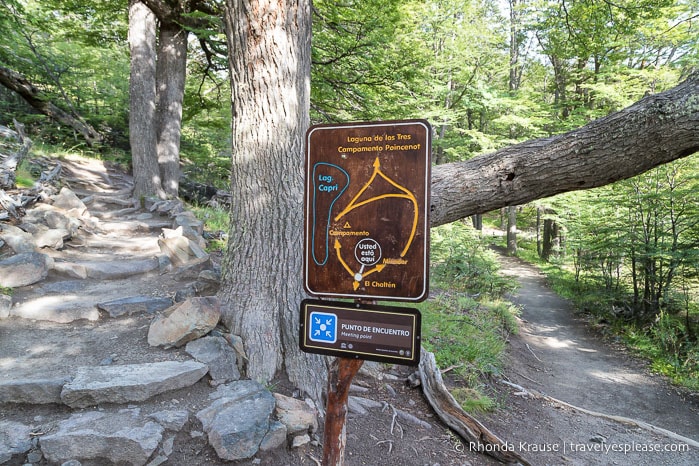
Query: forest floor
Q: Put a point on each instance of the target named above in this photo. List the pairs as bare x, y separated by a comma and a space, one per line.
554, 353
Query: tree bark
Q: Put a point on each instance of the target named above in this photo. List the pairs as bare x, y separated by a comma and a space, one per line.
512, 230
170, 79
261, 287
142, 92
34, 97
656, 130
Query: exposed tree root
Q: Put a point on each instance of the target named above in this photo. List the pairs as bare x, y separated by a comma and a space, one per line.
449, 411
620, 419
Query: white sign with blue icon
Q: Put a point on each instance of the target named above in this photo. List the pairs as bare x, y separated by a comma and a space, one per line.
323, 327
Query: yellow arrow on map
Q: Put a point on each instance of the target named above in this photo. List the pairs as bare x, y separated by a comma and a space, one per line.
408, 195
342, 261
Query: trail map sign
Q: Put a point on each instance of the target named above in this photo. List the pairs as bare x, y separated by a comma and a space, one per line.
377, 333
367, 202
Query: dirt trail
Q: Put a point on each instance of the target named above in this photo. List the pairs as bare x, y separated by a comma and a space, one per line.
558, 355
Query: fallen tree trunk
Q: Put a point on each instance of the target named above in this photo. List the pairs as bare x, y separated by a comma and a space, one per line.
656, 130
34, 97
449, 411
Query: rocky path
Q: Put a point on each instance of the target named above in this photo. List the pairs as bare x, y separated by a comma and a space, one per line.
110, 351
557, 355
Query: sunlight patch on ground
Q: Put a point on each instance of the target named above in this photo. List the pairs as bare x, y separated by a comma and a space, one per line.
558, 344
624, 379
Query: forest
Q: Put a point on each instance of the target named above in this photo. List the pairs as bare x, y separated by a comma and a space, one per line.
486, 74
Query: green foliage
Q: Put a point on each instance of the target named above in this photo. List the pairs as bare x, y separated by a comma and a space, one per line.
23, 176
463, 260
216, 222
466, 323
472, 401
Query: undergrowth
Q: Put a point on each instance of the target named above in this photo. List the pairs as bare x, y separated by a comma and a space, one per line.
668, 340
466, 323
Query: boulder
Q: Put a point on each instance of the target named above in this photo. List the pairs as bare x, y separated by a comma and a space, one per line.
32, 391
15, 439
135, 305
295, 414
184, 322
215, 352
131, 382
119, 438
24, 269
238, 420
18, 240
180, 249
67, 200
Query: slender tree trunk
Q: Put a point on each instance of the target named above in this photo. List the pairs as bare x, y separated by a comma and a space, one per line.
142, 130
170, 79
512, 231
539, 209
261, 290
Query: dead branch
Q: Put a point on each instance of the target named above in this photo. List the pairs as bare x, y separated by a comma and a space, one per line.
621, 419
449, 411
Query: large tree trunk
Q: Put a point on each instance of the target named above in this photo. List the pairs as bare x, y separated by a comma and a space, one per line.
142, 125
261, 290
34, 97
656, 130
170, 79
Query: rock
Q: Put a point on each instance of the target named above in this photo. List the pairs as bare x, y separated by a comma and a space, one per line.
184, 322
107, 270
208, 282
119, 438
111, 270
32, 391
15, 439
295, 414
34, 456
72, 463
16, 239
276, 436
171, 420
184, 293
52, 238
55, 310
188, 219
24, 269
5, 306
300, 440
135, 305
67, 200
238, 420
70, 269
180, 249
216, 353
127, 383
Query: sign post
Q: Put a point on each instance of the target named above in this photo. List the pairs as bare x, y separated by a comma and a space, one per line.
366, 237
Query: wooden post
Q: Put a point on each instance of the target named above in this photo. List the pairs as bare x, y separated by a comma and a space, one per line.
342, 371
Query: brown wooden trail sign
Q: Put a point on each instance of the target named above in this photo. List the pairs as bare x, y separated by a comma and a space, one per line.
367, 206
367, 198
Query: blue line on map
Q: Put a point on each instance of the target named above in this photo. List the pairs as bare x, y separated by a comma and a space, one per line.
329, 216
